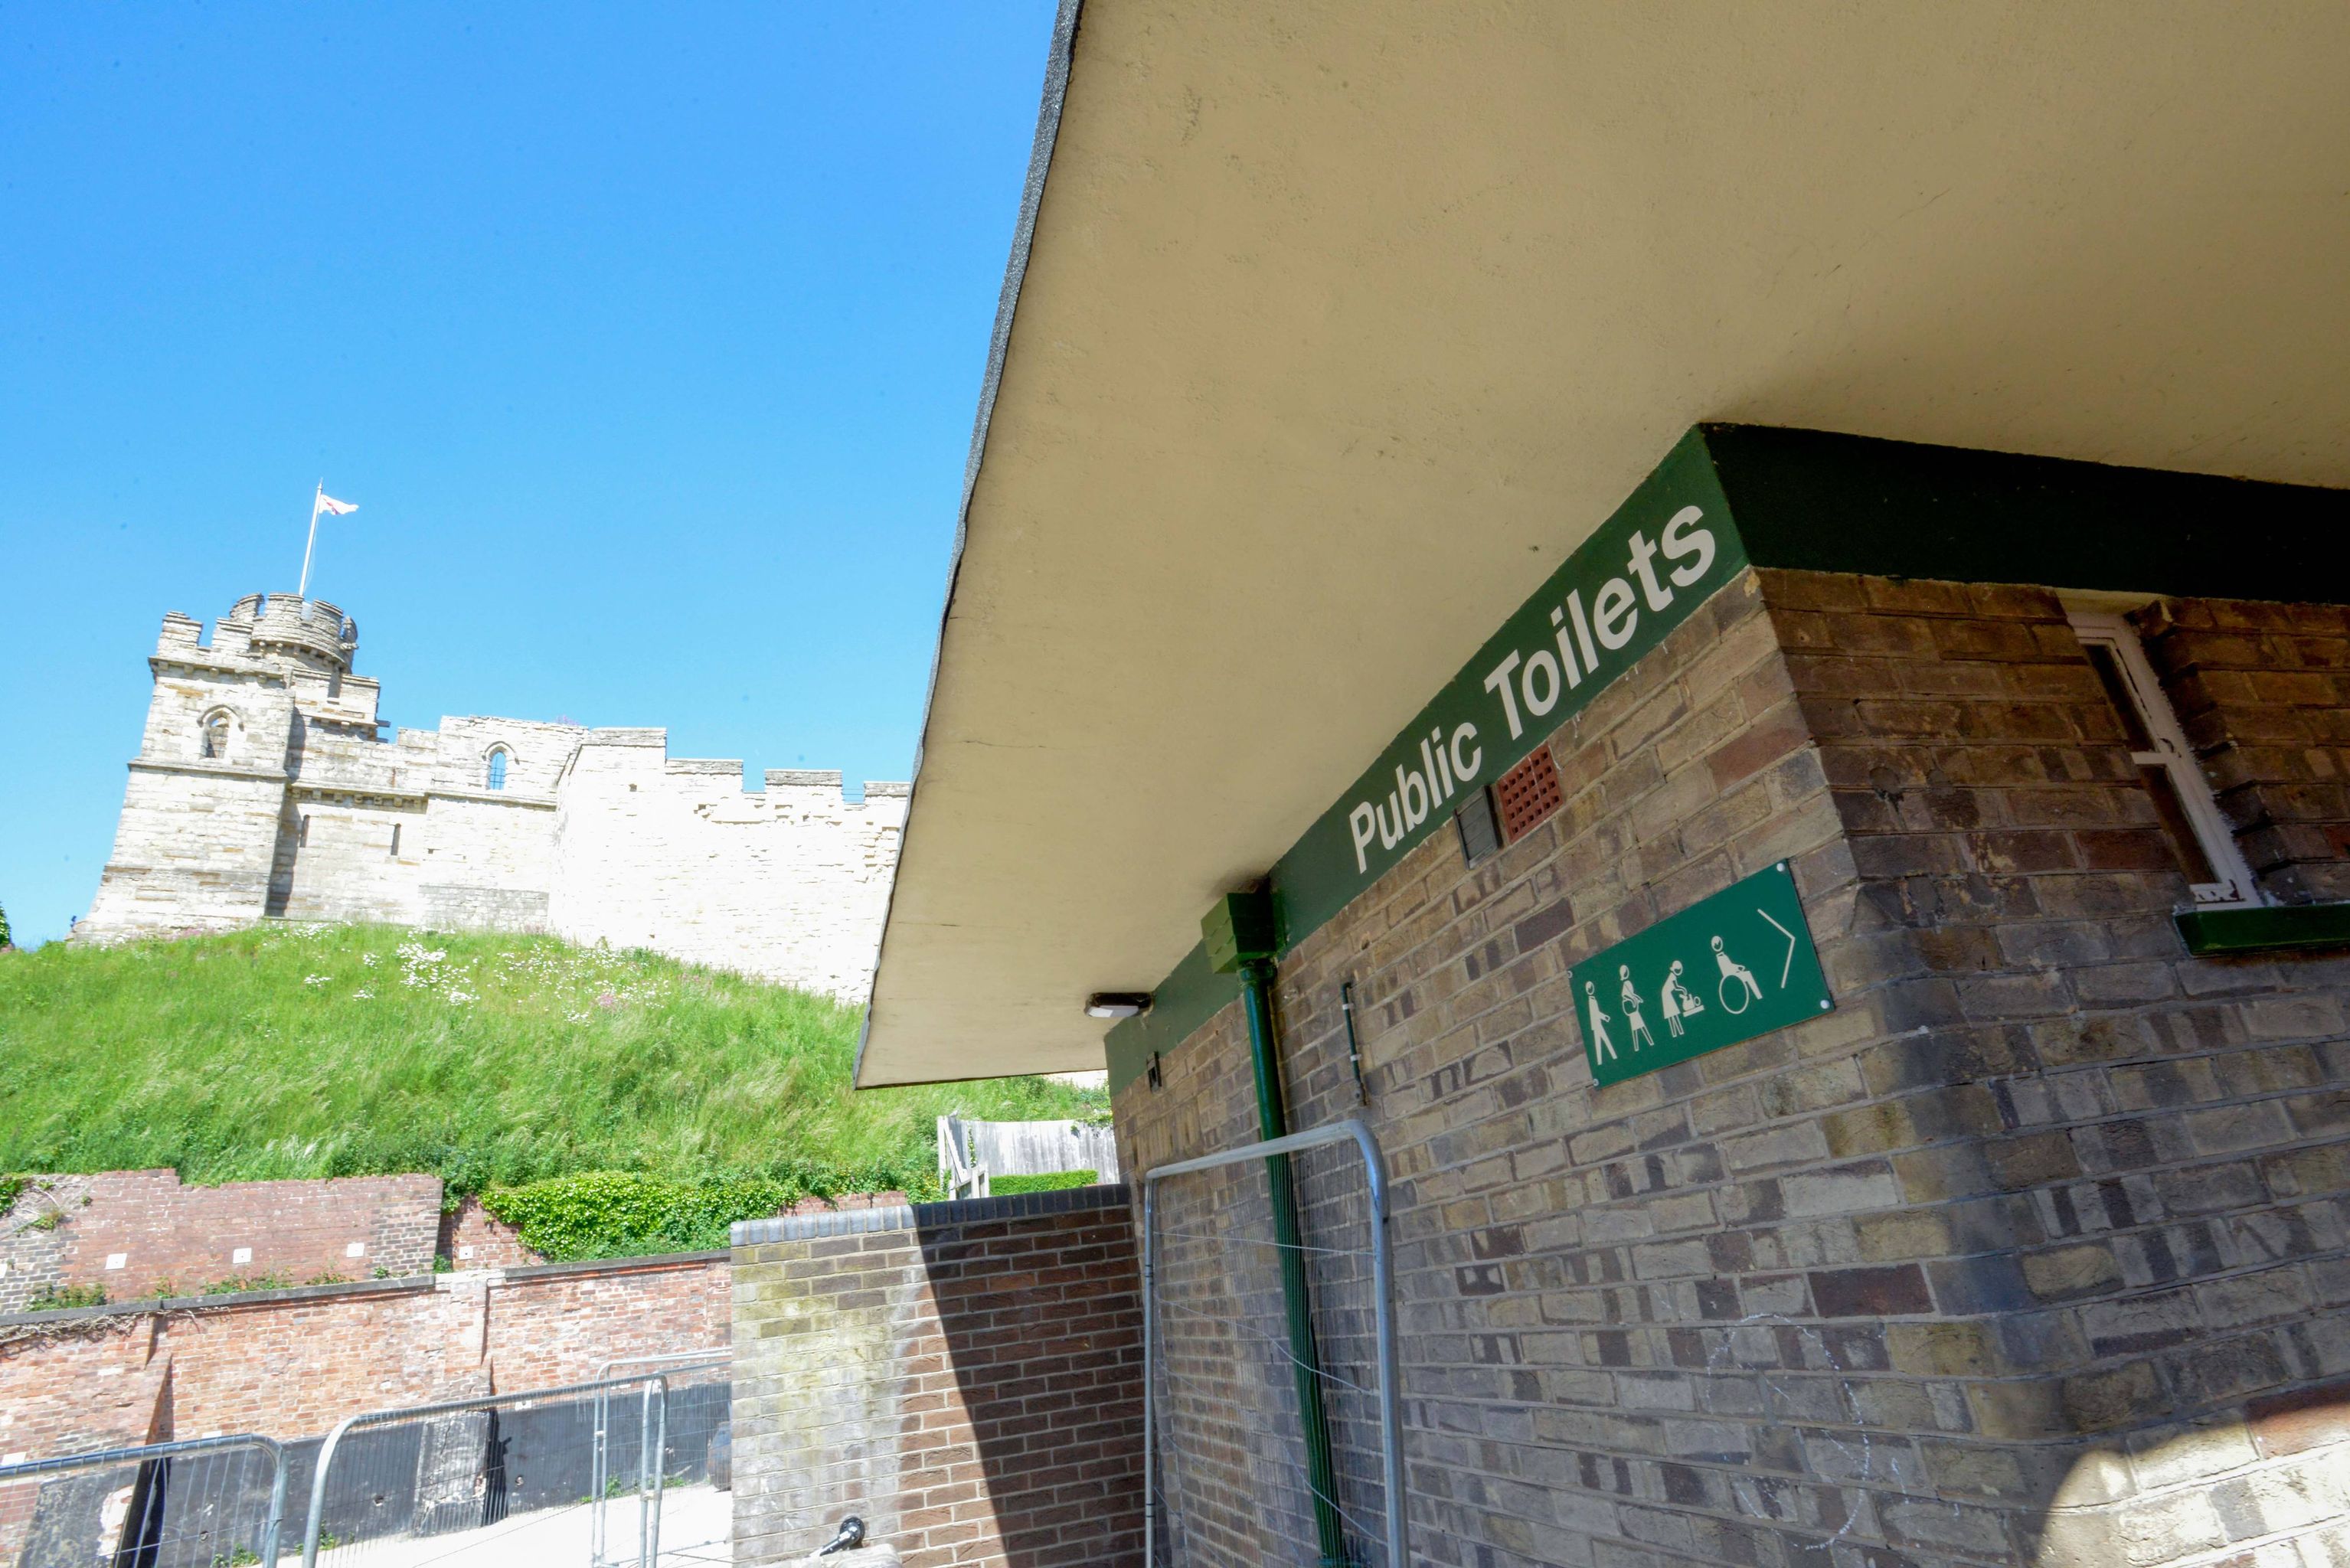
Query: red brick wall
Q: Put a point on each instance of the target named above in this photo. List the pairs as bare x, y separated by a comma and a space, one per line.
2263, 692
65, 1230
964, 1376
289, 1365
474, 1237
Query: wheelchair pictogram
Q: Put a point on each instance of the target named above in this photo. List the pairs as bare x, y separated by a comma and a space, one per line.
1739, 989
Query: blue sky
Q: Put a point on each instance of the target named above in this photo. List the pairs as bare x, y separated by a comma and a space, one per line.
648, 340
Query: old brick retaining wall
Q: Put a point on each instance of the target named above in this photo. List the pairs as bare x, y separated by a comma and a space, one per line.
2035, 1250
966, 1376
135, 1233
289, 1363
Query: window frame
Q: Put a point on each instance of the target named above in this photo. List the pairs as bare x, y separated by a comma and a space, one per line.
2237, 886
497, 764
225, 722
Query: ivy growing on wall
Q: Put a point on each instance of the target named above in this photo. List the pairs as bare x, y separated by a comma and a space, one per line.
629, 1214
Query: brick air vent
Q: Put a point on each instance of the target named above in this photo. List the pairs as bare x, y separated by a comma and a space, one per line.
1526, 794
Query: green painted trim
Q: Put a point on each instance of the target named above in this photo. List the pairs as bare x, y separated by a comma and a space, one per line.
2268, 928
1190, 995
1816, 501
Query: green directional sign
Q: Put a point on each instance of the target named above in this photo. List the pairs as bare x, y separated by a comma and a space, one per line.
1726, 969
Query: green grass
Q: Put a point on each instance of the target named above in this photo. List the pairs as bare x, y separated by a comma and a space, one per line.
1057, 1181
63, 1297
491, 1061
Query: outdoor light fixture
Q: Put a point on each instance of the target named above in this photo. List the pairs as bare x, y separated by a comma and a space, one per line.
1116, 1003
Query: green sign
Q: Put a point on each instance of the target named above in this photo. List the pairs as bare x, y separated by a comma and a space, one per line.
1641, 572
1726, 969
1644, 571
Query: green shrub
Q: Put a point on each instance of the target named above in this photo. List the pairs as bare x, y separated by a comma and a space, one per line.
1056, 1181
10, 1187
236, 1283
630, 1214
68, 1296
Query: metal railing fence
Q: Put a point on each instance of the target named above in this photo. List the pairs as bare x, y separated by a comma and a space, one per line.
496, 1462
689, 1423
1226, 1477
206, 1502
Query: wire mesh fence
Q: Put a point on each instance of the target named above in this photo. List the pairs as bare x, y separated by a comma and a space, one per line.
491, 1480
1269, 1348
682, 1520
207, 1503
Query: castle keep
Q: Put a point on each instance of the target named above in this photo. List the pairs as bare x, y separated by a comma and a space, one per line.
265, 788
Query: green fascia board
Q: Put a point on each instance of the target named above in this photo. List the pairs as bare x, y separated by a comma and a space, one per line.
1822, 501
1192, 993
2264, 929
1817, 500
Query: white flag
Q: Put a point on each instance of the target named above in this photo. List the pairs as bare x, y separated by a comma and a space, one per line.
333, 507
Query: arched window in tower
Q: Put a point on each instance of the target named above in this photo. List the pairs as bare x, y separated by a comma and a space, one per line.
497, 774
215, 737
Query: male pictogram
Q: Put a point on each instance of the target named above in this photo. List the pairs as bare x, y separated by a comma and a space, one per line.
1601, 1047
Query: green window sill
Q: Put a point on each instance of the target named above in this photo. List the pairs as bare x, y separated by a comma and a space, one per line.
2265, 928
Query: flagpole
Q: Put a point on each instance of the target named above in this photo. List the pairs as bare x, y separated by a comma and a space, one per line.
315, 501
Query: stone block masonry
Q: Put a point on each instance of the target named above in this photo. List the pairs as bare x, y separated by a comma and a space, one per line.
264, 788
966, 1376
2036, 1251
134, 1233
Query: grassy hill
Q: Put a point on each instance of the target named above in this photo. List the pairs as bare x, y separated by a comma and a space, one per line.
492, 1061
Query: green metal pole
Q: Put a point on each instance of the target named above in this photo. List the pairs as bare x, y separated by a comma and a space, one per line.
1273, 1122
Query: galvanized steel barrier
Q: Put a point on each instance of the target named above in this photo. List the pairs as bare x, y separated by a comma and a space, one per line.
681, 1379
1222, 1428
207, 1503
450, 1468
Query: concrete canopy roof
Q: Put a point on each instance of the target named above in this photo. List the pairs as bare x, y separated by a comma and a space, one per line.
1344, 319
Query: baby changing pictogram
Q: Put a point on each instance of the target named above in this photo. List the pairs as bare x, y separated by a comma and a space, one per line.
1729, 967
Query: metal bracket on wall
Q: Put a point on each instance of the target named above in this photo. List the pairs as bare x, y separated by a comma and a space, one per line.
1354, 1046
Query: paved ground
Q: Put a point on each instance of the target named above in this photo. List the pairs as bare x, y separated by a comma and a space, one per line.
696, 1531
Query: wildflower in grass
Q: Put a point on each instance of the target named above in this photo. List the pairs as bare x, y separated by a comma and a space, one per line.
314, 980
363, 994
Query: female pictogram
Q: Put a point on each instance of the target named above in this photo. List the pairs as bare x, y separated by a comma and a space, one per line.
1631, 995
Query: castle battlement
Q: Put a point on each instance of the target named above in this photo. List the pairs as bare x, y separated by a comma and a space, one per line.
265, 788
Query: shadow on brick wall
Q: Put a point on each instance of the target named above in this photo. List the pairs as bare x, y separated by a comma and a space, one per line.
1039, 1320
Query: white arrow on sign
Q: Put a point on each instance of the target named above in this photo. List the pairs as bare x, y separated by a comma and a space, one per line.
1789, 967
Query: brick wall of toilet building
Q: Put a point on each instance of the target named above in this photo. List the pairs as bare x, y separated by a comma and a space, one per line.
965, 1377
2035, 1250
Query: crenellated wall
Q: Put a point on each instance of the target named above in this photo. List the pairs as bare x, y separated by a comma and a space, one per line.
302, 810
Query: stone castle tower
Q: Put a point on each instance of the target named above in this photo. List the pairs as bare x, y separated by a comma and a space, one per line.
265, 788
